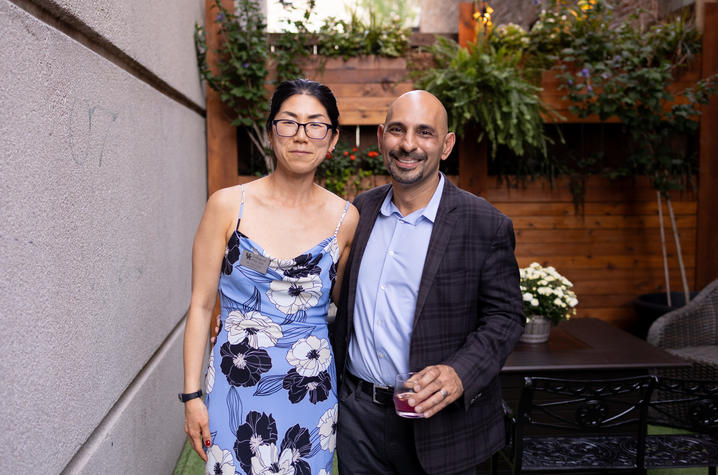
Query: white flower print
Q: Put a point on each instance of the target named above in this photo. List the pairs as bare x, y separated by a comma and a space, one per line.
209, 377
293, 295
219, 462
333, 249
310, 356
267, 461
260, 331
328, 429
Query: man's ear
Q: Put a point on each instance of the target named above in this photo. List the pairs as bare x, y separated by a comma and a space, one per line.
449, 142
379, 136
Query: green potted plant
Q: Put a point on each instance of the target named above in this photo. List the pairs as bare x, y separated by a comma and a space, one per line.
548, 299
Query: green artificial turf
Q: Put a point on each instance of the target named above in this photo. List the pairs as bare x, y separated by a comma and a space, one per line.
190, 463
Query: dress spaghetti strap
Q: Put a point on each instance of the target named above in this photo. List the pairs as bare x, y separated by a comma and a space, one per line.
241, 208
346, 208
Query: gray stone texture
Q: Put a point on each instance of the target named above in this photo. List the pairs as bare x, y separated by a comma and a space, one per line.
157, 34
103, 185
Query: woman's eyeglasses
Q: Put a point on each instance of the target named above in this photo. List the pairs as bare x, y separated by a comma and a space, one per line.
313, 130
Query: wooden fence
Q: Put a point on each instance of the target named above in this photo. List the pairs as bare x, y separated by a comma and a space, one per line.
611, 251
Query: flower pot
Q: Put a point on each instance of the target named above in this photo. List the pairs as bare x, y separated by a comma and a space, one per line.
651, 306
537, 329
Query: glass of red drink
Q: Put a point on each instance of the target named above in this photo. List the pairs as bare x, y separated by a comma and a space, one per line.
402, 393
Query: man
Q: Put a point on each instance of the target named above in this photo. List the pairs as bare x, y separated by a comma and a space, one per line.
431, 286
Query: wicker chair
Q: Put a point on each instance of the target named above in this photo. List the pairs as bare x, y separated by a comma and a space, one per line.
690, 332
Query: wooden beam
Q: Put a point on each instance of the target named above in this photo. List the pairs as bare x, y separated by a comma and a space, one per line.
467, 25
707, 238
221, 134
473, 162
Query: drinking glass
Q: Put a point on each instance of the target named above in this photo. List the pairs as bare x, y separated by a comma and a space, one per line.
402, 393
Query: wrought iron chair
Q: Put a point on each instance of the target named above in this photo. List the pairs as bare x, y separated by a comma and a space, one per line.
687, 403
567, 425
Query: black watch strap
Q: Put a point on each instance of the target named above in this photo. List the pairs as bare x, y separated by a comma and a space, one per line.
184, 397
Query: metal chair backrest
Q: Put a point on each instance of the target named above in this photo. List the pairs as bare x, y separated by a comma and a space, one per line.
584, 407
687, 403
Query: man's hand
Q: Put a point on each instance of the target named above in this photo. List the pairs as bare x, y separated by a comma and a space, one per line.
436, 387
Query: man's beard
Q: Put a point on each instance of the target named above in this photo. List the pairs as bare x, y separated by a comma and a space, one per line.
406, 177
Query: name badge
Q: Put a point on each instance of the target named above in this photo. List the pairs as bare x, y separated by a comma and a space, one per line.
254, 261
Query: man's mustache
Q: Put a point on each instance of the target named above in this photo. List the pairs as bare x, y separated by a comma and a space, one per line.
399, 154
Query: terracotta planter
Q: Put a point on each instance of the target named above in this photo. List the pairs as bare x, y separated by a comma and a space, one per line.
537, 330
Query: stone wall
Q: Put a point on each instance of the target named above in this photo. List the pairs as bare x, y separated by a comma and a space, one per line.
103, 183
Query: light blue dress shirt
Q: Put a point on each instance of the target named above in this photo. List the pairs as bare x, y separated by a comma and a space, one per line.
387, 287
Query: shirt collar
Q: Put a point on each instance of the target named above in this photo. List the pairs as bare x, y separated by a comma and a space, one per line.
429, 211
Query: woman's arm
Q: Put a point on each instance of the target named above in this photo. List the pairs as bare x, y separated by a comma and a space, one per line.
207, 253
345, 237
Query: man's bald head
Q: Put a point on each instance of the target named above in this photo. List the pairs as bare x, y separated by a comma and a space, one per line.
424, 103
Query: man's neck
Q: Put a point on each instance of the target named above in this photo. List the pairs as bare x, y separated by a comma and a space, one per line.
409, 198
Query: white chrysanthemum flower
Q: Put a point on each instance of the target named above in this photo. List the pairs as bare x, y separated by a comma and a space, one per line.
572, 302
528, 296
328, 429
219, 462
544, 290
293, 295
557, 301
259, 330
558, 291
535, 302
310, 356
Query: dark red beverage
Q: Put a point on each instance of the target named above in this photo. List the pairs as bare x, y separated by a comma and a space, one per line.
402, 407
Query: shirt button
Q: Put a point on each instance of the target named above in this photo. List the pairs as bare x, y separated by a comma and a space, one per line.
391, 253
381, 355
382, 288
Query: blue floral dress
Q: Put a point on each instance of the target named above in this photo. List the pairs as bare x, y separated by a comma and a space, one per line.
271, 380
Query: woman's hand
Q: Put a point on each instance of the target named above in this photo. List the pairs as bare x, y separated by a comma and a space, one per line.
196, 425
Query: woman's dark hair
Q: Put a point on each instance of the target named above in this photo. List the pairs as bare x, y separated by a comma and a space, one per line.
321, 92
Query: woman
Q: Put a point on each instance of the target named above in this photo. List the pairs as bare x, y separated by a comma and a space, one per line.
271, 382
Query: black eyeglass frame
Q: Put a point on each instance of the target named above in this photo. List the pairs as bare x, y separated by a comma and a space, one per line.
329, 127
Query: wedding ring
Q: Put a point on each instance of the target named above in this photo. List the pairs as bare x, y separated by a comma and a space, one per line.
443, 393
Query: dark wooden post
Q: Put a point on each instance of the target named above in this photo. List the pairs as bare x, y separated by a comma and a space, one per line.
707, 225
473, 155
221, 134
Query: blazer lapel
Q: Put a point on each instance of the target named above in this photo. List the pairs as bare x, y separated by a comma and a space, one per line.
438, 244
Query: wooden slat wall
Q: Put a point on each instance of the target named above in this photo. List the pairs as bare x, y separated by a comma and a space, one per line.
611, 252
364, 87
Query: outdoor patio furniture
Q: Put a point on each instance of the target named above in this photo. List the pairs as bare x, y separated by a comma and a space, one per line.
566, 425
690, 332
690, 403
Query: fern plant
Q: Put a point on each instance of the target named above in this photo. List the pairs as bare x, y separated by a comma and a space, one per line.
483, 85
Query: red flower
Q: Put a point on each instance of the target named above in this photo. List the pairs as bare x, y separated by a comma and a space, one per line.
346, 153
352, 157
354, 149
373, 154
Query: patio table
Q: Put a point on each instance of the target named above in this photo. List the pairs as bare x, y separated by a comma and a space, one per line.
588, 346
583, 348
580, 348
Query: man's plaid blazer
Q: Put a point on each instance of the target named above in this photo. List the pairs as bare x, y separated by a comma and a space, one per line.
468, 315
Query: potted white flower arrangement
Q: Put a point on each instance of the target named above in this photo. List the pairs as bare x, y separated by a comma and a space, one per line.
547, 298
